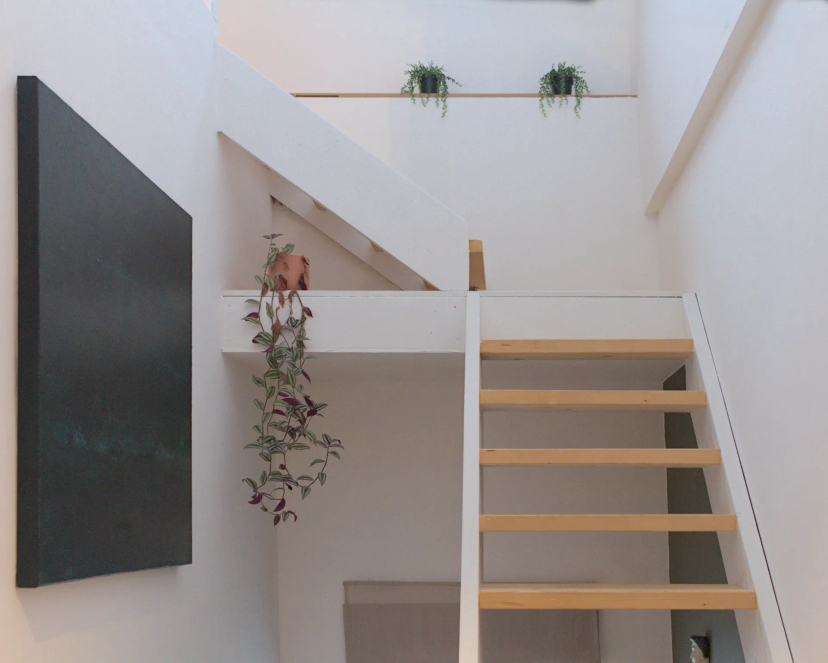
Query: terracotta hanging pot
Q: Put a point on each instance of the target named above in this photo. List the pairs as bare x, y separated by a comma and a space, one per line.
296, 270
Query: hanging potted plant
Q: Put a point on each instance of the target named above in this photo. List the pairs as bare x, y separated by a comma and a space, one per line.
562, 82
428, 79
286, 410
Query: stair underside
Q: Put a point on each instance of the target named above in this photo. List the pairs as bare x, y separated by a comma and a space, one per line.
601, 400
662, 348
608, 523
502, 596
620, 457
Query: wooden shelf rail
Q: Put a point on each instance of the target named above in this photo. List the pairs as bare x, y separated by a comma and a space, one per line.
496, 596
460, 95
598, 349
609, 523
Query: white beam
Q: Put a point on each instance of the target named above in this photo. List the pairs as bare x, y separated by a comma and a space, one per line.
732, 54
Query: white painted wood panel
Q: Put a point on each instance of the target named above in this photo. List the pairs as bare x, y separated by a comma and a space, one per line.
361, 322
578, 315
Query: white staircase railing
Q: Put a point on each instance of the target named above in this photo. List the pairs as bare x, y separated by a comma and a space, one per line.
620, 316
762, 631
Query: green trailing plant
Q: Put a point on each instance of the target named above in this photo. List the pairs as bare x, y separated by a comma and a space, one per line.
428, 79
286, 409
562, 81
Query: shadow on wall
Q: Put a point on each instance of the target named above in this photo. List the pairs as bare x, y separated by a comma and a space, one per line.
695, 557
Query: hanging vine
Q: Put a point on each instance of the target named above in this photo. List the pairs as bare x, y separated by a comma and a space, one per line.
287, 411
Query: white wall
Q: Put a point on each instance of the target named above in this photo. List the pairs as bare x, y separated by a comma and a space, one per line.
746, 228
389, 511
556, 201
140, 73
679, 44
364, 46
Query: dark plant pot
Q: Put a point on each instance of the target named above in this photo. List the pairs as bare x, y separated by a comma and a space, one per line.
429, 84
570, 82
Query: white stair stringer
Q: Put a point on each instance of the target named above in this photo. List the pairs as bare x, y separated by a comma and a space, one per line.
365, 199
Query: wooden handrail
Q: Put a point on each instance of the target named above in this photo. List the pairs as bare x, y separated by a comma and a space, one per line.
477, 268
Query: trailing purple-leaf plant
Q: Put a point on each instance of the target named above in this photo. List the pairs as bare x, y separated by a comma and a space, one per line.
287, 410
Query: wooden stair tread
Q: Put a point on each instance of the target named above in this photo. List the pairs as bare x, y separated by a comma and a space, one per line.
606, 400
623, 457
608, 523
659, 348
536, 596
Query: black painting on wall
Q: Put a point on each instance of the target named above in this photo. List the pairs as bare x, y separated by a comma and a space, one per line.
104, 378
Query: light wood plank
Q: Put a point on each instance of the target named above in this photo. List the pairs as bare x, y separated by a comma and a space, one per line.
608, 523
461, 95
592, 400
660, 348
477, 267
496, 596
614, 457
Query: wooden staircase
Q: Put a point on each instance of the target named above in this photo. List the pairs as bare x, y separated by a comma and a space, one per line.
534, 596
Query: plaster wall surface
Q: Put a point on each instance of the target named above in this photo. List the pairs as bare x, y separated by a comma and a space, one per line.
555, 200
140, 73
679, 44
745, 228
365, 46
389, 511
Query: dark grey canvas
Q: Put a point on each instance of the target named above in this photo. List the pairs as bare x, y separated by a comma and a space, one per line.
104, 383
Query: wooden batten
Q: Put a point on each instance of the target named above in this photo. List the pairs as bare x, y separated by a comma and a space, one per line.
477, 268
658, 348
606, 457
602, 400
